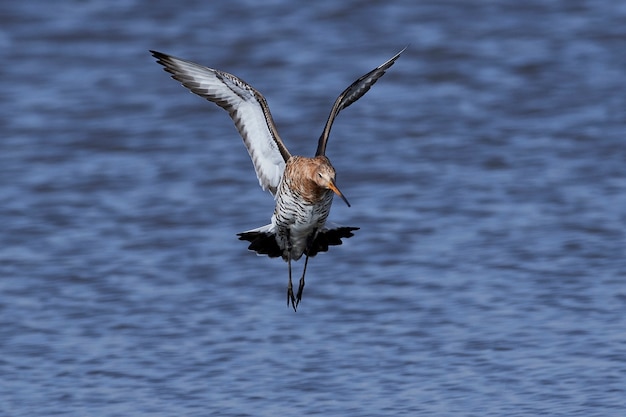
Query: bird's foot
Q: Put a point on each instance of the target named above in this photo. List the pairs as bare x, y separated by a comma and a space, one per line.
291, 299
300, 289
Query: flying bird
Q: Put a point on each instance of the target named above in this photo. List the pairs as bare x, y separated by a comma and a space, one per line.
303, 187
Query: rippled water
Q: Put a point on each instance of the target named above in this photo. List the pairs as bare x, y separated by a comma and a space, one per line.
487, 171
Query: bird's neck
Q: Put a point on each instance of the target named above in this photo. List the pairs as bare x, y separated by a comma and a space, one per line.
300, 172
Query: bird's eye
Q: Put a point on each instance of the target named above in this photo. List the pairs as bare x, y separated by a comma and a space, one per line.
320, 174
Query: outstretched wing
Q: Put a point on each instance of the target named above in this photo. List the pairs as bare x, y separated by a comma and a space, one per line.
352, 94
246, 106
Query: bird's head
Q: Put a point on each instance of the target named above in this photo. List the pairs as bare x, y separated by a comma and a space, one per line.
325, 177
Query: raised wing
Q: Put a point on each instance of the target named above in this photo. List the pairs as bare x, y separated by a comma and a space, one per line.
351, 94
246, 106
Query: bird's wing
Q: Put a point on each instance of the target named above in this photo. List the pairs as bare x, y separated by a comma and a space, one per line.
246, 106
351, 94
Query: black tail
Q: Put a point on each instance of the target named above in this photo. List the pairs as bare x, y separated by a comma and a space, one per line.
329, 237
264, 243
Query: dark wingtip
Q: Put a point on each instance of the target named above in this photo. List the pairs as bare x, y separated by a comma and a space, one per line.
161, 58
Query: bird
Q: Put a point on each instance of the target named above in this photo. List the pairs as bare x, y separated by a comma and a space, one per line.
303, 187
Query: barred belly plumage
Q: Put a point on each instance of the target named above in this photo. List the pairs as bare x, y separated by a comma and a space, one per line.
297, 222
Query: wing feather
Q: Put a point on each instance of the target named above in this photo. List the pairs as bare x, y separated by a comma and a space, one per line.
351, 94
245, 105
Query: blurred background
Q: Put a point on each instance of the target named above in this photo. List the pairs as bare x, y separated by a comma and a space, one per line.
486, 169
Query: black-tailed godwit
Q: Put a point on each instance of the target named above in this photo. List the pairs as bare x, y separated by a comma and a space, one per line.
302, 187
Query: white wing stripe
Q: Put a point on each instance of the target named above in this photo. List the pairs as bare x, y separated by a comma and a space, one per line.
246, 106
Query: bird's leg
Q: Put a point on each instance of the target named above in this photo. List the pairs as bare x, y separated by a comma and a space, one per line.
301, 286
290, 296
310, 240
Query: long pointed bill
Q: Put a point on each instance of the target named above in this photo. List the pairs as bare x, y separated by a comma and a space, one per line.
334, 188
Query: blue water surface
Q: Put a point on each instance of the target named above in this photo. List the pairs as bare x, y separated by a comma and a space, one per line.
486, 170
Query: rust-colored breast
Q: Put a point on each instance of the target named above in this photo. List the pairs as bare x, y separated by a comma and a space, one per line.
300, 175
